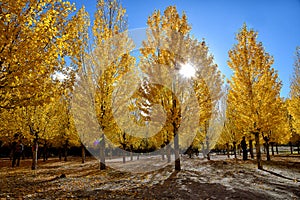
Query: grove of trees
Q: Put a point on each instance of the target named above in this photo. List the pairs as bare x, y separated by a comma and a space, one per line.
64, 79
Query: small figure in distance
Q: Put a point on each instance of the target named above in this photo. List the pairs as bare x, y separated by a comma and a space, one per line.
244, 148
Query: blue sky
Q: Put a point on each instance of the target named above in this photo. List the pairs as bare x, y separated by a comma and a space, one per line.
277, 23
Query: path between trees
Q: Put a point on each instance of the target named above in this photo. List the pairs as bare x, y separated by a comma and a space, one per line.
220, 178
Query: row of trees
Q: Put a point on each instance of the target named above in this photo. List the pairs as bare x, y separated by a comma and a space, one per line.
254, 106
37, 37
66, 82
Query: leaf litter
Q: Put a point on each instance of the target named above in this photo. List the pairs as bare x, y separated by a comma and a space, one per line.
220, 178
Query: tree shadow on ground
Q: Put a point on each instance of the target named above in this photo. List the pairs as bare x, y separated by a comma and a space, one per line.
283, 164
174, 188
280, 175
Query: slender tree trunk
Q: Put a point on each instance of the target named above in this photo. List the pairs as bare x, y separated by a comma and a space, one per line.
66, 150
23, 152
267, 147
59, 153
45, 152
208, 156
124, 156
258, 153
163, 153
162, 156
131, 156
34, 154
234, 150
82, 153
251, 148
203, 150
65, 155
138, 156
268, 151
102, 153
291, 147
272, 148
299, 147
207, 148
189, 152
111, 152
169, 153
276, 145
175, 127
11, 153
176, 148
227, 147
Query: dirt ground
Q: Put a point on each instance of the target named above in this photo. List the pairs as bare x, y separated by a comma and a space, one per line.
220, 178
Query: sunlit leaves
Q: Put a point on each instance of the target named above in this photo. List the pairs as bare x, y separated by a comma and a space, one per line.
254, 87
35, 37
294, 102
168, 48
111, 60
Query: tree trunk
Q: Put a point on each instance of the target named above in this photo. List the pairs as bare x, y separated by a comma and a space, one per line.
138, 156
66, 150
11, 154
291, 147
276, 145
102, 153
82, 153
45, 152
251, 148
268, 151
207, 148
23, 152
203, 150
272, 148
208, 156
258, 153
227, 147
299, 147
59, 153
163, 153
234, 149
176, 148
189, 152
267, 147
124, 156
131, 156
34, 154
111, 152
169, 153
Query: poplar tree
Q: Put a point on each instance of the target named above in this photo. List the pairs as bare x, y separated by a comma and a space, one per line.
294, 101
80, 98
166, 51
231, 134
111, 60
36, 36
254, 87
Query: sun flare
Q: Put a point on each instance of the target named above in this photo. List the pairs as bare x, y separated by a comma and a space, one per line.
187, 70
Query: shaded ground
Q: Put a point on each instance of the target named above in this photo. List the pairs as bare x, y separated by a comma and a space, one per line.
220, 178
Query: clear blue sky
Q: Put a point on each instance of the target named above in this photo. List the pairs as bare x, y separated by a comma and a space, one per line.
277, 23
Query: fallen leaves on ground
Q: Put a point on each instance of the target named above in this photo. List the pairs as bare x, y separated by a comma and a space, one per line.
220, 178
